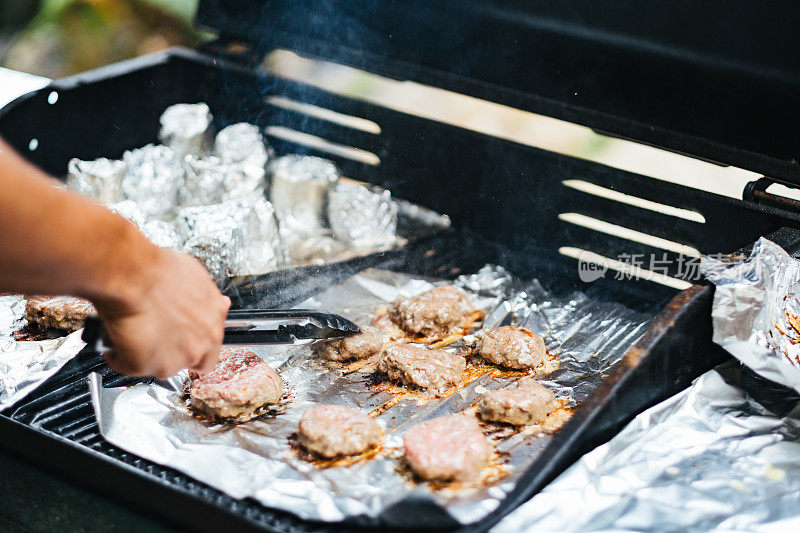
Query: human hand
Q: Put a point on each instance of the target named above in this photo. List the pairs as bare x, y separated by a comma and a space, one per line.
171, 317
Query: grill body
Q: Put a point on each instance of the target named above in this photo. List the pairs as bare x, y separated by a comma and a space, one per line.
504, 199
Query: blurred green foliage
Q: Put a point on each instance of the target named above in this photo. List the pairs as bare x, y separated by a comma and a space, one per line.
68, 36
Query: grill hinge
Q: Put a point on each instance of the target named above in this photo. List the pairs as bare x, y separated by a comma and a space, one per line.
756, 192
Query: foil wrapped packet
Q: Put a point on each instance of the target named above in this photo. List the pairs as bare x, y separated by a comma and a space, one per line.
362, 216
100, 179
756, 311
212, 180
162, 233
257, 459
242, 143
186, 128
154, 174
299, 191
234, 238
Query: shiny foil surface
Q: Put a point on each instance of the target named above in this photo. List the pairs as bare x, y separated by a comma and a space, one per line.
755, 310
130, 211
100, 179
242, 143
362, 216
154, 174
234, 238
24, 365
211, 180
708, 459
257, 459
163, 234
299, 191
186, 128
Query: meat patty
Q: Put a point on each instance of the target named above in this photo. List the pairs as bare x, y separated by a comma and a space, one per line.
435, 314
447, 448
512, 347
58, 312
239, 384
421, 367
359, 346
333, 430
528, 403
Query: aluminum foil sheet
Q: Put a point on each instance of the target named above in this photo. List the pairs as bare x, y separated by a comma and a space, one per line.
186, 128
242, 143
24, 365
100, 179
756, 311
299, 191
234, 238
211, 180
362, 216
153, 176
257, 460
707, 459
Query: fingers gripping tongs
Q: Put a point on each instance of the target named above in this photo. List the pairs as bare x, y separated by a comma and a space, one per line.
256, 326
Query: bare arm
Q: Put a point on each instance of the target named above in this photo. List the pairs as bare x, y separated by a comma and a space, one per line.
161, 309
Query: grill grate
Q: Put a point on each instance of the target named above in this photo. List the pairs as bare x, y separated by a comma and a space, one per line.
62, 405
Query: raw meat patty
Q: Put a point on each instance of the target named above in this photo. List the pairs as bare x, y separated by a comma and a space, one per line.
447, 448
239, 384
359, 346
435, 313
332, 430
421, 367
527, 403
512, 347
59, 312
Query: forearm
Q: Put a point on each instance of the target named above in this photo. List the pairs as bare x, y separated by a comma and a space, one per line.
54, 241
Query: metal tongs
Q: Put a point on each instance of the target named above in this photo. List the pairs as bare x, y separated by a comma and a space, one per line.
255, 326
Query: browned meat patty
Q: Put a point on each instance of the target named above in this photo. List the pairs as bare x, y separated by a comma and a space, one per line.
239, 384
435, 314
421, 367
512, 347
333, 430
527, 403
58, 312
447, 448
359, 346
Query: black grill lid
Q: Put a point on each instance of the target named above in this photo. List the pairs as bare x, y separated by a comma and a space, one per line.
717, 79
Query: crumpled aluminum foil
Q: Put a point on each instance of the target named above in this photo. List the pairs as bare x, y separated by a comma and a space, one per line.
153, 176
708, 459
756, 311
130, 211
299, 190
211, 180
255, 459
362, 216
24, 365
163, 234
100, 179
186, 128
234, 238
160, 232
242, 143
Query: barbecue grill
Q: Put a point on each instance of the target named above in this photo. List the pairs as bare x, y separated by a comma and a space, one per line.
677, 76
